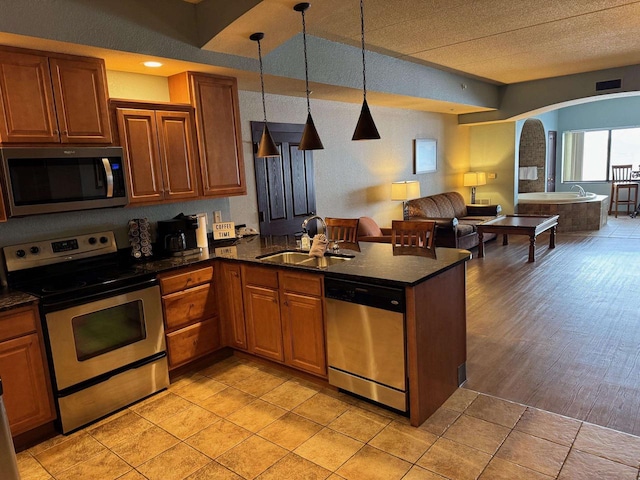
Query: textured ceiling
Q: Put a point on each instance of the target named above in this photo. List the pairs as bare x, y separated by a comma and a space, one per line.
505, 41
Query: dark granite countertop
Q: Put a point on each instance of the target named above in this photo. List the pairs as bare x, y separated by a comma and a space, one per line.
13, 299
374, 262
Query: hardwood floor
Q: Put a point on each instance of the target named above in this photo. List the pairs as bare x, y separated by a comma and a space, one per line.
563, 333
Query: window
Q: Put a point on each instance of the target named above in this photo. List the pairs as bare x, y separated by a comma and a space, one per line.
588, 155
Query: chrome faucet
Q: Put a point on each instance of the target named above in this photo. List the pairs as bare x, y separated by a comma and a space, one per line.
316, 217
581, 191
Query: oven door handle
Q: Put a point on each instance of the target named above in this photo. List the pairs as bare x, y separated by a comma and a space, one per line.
109, 175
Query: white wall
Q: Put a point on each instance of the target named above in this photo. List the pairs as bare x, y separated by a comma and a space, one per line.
354, 178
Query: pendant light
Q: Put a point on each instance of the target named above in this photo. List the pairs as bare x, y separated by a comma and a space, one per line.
366, 128
310, 138
266, 147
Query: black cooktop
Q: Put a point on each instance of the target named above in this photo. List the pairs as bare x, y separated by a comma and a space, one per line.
80, 279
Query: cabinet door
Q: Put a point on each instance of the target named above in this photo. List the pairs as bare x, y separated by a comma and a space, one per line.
303, 332
80, 93
219, 137
175, 136
138, 136
24, 381
28, 112
264, 328
233, 316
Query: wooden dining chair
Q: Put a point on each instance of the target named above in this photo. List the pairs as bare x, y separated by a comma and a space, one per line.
621, 180
410, 233
342, 229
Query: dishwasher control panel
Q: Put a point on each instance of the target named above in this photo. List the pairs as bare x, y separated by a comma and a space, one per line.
378, 296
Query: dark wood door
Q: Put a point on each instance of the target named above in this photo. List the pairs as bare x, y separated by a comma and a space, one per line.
28, 112
551, 161
80, 92
284, 185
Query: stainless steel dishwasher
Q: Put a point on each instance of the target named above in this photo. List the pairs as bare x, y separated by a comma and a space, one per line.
366, 340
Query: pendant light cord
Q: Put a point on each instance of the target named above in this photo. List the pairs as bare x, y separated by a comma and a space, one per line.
306, 66
264, 105
364, 70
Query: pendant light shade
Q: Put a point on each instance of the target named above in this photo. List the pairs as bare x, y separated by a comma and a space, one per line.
366, 127
267, 147
310, 138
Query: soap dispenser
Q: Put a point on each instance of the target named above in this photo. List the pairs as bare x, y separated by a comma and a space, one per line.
305, 242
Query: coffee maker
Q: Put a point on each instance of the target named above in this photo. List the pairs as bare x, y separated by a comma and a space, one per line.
177, 237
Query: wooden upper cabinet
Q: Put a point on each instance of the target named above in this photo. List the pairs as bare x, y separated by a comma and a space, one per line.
215, 99
80, 92
160, 151
28, 112
175, 136
47, 99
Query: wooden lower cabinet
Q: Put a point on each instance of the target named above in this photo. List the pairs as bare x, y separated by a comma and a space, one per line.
235, 331
303, 329
264, 327
23, 369
192, 324
284, 317
193, 342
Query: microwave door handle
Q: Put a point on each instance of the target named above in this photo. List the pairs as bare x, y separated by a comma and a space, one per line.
109, 174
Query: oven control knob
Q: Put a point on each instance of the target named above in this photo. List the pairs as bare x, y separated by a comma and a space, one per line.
104, 240
92, 240
20, 253
35, 250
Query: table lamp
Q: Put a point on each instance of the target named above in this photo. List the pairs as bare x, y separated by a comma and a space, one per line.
403, 191
473, 179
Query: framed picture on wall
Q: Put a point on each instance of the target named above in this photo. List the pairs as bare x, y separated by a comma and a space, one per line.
425, 155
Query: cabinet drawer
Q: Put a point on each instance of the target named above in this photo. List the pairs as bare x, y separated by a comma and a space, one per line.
14, 323
305, 283
175, 282
260, 276
189, 306
192, 342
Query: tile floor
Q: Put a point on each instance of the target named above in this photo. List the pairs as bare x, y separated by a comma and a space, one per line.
238, 419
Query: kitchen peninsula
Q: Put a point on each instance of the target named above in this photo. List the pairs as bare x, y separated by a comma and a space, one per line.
435, 318
276, 311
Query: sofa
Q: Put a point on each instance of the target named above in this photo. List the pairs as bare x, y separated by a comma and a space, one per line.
455, 220
369, 231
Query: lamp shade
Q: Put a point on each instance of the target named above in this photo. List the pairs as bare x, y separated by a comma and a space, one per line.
473, 179
405, 190
267, 147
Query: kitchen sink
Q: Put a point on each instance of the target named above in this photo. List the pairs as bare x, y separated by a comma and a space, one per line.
303, 259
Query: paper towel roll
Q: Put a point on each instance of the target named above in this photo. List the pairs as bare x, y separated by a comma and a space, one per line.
201, 232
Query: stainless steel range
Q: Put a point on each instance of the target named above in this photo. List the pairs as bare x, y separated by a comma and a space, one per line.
102, 320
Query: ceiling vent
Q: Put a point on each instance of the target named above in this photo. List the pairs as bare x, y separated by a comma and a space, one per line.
609, 85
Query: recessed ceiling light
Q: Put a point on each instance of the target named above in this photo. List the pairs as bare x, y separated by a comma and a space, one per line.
152, 64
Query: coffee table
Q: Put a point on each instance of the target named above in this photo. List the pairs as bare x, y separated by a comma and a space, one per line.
531, 225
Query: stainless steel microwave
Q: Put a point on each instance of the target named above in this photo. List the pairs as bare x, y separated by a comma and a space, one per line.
46, 180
